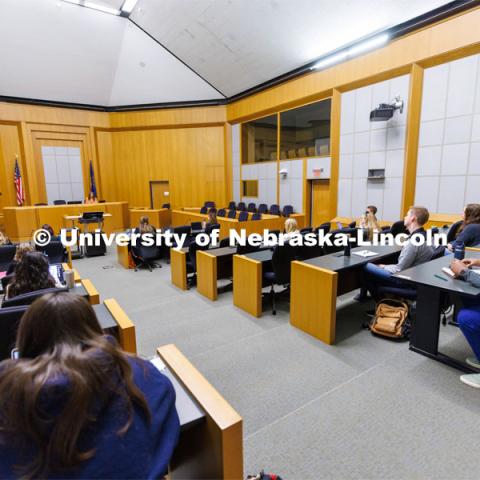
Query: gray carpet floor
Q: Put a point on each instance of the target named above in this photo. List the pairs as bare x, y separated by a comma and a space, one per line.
366, 408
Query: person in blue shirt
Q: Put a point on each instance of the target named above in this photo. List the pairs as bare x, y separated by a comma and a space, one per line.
74, 405
469, 231
469, 316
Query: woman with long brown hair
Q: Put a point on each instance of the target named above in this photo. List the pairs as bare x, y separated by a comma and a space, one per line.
75, 405
469, 231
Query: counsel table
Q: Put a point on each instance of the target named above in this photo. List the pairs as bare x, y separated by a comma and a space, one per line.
316, 283
425, 329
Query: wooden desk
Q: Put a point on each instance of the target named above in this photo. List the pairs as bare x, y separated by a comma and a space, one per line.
316, 283
75, 218
213, 265
440, 219
178, 267
21, 222
211, 449
86, 289
248, 281
159, 218
425, 330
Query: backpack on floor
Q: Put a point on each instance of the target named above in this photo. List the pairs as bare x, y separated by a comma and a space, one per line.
391, 319
264, 476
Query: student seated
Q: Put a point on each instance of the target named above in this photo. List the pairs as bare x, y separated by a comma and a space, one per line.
22, 249
144, 226
469, 232
291, 229
74, 405
49, 229
369, 225
469, 317
211, 219
31, 274
370, 214
4, 240
410, 255
91, 198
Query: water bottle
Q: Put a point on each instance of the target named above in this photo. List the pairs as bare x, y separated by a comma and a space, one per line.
459, 251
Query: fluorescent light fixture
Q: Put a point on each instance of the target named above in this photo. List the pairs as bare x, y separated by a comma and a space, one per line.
128, 6
368, 45
365, 46
337, 57
94, 6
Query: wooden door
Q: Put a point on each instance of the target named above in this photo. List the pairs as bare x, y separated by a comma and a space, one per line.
159, 193
320, 202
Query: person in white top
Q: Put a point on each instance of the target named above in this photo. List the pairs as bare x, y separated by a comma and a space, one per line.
291, 229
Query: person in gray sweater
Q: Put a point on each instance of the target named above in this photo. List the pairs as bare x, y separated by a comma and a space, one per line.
411, 254
468, 318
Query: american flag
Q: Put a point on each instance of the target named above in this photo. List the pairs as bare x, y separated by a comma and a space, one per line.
18, 184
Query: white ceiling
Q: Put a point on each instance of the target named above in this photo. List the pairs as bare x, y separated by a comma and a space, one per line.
53, 50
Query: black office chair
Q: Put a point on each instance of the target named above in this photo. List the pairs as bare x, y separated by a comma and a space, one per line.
221, 212
281, 260
30, 297
352, 224
232, 214
145, 256
263, 208
252, 208
55, 251
204, 210
74, 202
241, 206
9, 320
256, 216
276, 233
209, 204
304, 252
243, 216
166, 205
192, 262
59, 202
274, 209
224, 242
397, 228
287, 210
7, 252
183, 230
6, 280
306, 230
210, 228
40, 204
325, 227
196, 227
231, 205
333, 248
453, 230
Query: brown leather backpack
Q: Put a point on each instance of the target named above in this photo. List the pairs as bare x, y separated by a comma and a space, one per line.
391, 319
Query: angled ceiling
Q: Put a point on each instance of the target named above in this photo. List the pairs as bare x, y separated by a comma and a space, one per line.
175, 50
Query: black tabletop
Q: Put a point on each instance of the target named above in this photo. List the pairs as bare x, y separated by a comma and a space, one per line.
424, 274
337, 261
261, 256
222, 252
105, 318
79, 289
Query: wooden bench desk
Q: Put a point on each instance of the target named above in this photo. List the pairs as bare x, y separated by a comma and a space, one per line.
178, 267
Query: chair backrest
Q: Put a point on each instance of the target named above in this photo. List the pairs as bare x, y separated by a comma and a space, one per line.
210, 228
221, 212
30, 297
192, 253
452, 232
252, 207
40, 204
74, 202
287, 210
146, 253
274, 209
196, 226
263, 208
306, 230
276, 233
438, 252
7, 252
224, 242
204, 209
256, 216
59, 202
232, 214
352, 224
241, 206
242, 216
209, 204
325, 227
231, 205
281, 260
247, 248
166, 205
398, 227
54, 250
332, 249
9, 320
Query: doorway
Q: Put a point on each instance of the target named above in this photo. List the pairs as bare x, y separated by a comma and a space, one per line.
159, 193
319, 202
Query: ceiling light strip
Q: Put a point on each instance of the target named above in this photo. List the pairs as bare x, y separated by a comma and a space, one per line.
94, 6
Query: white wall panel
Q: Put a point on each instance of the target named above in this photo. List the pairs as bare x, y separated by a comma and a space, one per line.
426, 191
472, 193
431, 133
461, 86
394, 163
429, 161
458, 129
391, 198
455, 159
449, 199
434, 97
344, 206
474, 162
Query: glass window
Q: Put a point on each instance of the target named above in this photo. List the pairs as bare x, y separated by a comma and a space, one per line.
305, 131
250, 188
259, 140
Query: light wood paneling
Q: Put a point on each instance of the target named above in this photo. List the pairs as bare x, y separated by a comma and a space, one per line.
93, 295
320, 202
334, 150
207, 275
440, 219
215, 451
159, 218
122, 256
178, 268
126, 328
311, 312
247, 285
